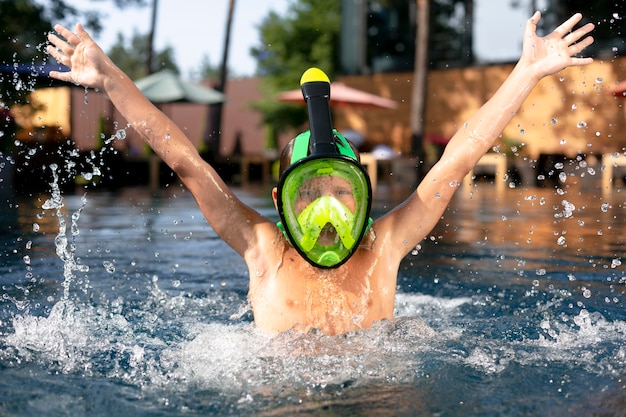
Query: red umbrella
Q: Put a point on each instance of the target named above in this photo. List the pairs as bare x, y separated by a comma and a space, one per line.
618, 90
341, 94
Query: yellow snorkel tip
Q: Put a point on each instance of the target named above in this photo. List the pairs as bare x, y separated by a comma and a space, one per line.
314, 75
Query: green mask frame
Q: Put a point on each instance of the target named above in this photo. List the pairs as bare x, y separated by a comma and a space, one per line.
324, 196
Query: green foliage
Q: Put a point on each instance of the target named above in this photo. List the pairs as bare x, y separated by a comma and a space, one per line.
208, 71
16, 43
24, 25
132, 57
307, 35
447, 37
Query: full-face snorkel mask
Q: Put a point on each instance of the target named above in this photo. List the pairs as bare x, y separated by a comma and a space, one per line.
324, 196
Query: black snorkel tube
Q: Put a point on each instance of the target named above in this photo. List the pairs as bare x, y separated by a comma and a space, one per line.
317, 96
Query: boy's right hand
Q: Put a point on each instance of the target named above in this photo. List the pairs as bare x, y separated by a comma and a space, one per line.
79, 52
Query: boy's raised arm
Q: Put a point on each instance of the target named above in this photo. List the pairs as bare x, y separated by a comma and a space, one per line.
90, 67
541, 56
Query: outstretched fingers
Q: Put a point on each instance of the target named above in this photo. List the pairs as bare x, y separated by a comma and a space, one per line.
572, 38
64, 44
565, 27
578, 48
62, 50
579, 33
59, 49
71, 37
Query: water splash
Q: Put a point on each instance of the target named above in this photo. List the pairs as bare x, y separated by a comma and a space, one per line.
65, 248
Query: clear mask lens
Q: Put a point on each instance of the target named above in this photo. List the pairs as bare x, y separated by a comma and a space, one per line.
324, 205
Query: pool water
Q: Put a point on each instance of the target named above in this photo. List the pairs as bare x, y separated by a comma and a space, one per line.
128, 303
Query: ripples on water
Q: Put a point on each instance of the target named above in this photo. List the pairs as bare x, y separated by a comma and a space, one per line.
496, 316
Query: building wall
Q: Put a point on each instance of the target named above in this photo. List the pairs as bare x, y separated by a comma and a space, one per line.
569, 113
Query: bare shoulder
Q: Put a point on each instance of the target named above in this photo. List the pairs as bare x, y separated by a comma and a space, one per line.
398, 231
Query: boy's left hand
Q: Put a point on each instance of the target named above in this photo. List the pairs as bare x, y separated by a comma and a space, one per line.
549, 54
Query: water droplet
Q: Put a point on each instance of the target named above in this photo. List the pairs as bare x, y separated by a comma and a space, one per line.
581, 124
574, 107
120, 134
554, 121
563, 141
604, 207
560, 241
615, 263
522, 132
35, 227
586, 292
562, 177
108, 265
599, 80
168, 137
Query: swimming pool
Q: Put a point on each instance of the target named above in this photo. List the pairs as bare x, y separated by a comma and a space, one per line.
128, 304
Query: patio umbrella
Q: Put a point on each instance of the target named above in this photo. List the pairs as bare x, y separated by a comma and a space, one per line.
341, 94
618, 90
167, 87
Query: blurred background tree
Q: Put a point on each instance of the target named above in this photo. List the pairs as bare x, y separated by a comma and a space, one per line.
23, 28
306, 35
310, 34
132, 56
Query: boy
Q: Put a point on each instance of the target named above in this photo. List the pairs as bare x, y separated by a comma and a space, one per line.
286, 290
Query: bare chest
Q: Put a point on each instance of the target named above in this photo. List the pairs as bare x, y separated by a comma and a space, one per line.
334, 300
